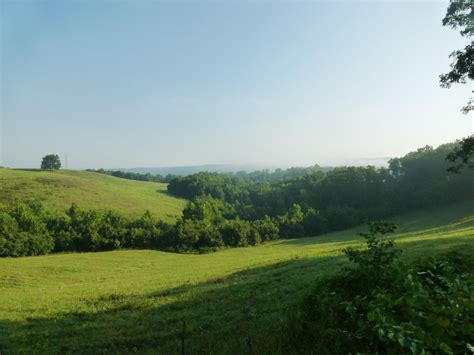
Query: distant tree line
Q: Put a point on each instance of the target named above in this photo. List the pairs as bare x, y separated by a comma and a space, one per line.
135, 176
234, 211
258, 175
27, 229
341, 197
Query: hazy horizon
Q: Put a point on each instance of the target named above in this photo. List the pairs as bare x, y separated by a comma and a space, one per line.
162, 84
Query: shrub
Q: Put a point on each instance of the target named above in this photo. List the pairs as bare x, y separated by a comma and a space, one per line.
236, 233
194, 235
341, 217
143, 232
267, 229
23, 231
384, 306
291, 223
314, 223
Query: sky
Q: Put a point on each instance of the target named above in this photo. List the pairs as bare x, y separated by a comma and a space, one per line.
117, 84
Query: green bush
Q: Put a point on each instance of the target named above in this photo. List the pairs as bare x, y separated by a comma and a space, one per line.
382, 305
236, 233
291, 223
267, 229
23, 231
314, 223
192, 235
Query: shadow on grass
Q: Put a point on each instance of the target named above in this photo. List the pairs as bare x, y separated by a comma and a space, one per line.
407, 227
242, 313
331, 238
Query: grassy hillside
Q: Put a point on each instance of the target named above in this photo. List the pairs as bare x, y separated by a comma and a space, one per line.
59, 189
148, 301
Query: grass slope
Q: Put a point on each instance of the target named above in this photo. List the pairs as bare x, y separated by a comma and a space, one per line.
232, 301
59, 189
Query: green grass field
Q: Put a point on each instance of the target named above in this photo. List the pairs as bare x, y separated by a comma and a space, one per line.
231, 301
57, 190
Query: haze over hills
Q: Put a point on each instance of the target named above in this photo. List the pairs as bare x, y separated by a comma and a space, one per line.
225, 177
234, 168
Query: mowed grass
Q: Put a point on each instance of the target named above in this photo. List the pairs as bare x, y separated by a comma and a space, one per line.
232, 301
57, 190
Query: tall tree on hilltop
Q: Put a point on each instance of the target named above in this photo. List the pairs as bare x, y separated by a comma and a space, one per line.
51, 162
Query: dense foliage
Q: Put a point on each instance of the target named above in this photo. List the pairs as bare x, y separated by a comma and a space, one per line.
460, 15
382, 305
339, 198
51, 162
134, 176
258, 175
463, 155
26, 229
234, 211
23, 231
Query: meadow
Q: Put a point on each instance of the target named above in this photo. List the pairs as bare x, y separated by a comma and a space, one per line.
233, 301
57, 190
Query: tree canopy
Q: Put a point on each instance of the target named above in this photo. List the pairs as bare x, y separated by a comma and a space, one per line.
460, 15
51, 162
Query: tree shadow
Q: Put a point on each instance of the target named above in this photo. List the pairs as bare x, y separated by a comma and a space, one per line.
241, 313
244, 312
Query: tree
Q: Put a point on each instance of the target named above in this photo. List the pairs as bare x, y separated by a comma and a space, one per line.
51, 162
463, 155
460, 14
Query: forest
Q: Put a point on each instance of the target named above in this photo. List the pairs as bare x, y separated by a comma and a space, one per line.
237, 211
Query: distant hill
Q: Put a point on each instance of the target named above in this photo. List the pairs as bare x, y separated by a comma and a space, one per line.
377, 162
193, 169
230, 168
57, 190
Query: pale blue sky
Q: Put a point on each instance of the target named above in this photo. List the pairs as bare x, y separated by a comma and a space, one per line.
150, 83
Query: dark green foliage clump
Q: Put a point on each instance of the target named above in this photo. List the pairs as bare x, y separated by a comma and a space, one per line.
26, 229
23, 231
51, 162
135, 176
320, 201
460, 15
267, 229
462, 155
382, 305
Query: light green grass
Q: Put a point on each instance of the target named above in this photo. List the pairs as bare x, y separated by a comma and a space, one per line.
57, 190
232, 301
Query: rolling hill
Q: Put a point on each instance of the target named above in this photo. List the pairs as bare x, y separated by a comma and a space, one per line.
232, 301
57, 190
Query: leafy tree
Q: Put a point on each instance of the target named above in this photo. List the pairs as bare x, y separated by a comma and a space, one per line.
204, 209
460, 15
23, 230
192, 235
463, 155
51, 162
237, 233
314, 223
291, 223
267, 229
